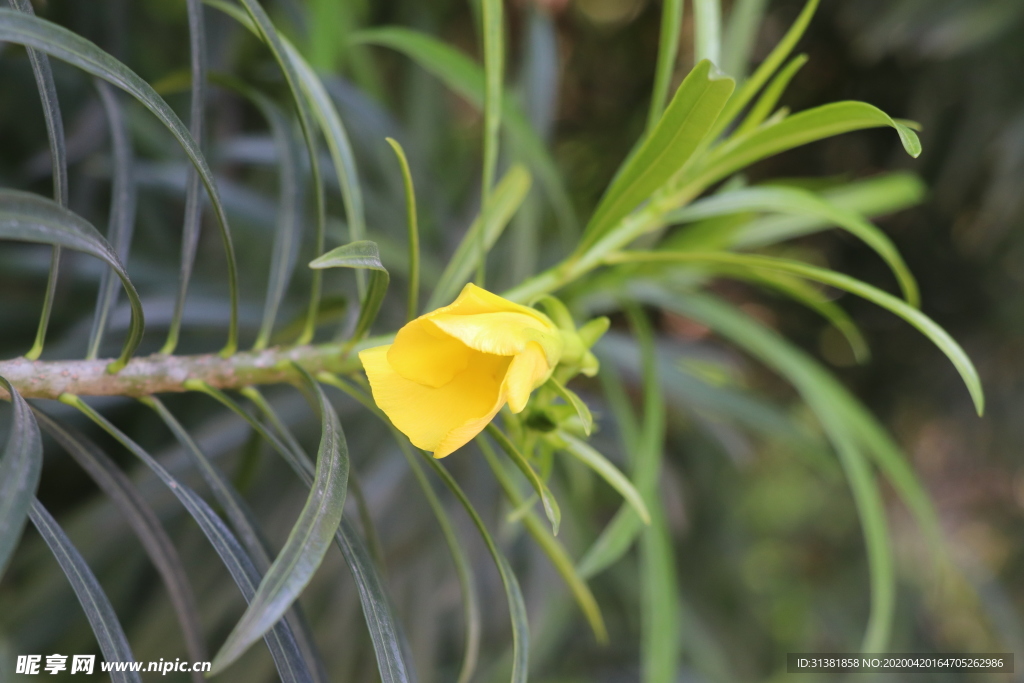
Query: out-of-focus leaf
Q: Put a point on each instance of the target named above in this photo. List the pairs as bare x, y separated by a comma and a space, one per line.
307, 543
59, 42
412, 225
97, 607
20, 468
144, 522
684, 125
31, 218
555, 551
43, 74
668, 51
589, 456
791, 200
362, 255
122, 211
741, 36
280, 641
506, 199
707, 28
466, 78
919, 320
770, 97
551, 508
493, 39
516, 604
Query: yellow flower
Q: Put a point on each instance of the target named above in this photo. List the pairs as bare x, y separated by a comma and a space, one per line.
451, 370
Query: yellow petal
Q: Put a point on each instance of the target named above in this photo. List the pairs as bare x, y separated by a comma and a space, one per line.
473, 300
438, 419
503, 333
528, 370
425, 354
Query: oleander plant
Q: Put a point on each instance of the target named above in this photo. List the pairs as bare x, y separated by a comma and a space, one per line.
282, 279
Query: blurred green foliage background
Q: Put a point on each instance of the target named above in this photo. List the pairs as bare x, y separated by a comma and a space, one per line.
768, 547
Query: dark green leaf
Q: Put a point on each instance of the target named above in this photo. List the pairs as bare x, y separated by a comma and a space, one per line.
20, 468
362, 255
551, 508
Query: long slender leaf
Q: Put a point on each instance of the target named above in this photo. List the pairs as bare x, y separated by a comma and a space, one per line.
122, 211
360, 255
466, 78
507, 197
140, 516
770, 97
919, 320
493, 39
644, 441
516, 605
570, 397
43, 74
72, 48
97, 607
691, 113
550, 545
551, 508
307, 543
280, 640
412, 224
660, 629
791, 200
668, 53
707, 23
829, 402
288, 235
244, 523
380, 619
463, 567
31, 218
742, 97
589, 456
20, 468
193, 201
799, 129
740, 36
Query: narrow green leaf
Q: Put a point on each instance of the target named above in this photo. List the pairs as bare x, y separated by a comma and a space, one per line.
98, 610
43, 74
20, 468
360, 255
307, 543
551, 508
919, 320
875, 196
30, 218
463, 567
280, 641
122, 212
555, 551
707, 27
466, 78
644, 441
765, 104
668, 53
660, 630
493, 39
741, 36
586, 454
380, 619
766, 70
829, 401
799, 129
494, 217
791, 200
691, 113
412, 222
72, 48
192, 221
576, 402
516, 604
146, 525
288, 235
